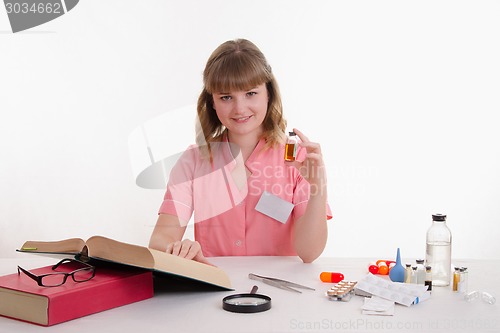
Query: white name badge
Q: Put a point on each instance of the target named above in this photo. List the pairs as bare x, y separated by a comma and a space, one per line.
274, 207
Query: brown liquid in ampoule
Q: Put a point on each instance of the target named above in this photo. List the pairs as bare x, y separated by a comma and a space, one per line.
290, 152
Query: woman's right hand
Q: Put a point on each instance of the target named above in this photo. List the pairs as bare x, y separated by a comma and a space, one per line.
187, 249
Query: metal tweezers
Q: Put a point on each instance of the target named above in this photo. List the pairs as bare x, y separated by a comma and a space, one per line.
283, 284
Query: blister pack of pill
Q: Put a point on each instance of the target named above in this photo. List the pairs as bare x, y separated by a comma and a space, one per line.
341, 291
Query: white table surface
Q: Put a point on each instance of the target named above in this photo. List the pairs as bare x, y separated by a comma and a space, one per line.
311, 311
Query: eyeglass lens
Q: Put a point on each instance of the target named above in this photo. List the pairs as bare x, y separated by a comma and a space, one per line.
83, 274
56, 279
53, 280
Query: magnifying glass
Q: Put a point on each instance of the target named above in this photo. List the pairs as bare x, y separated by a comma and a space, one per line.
247, 303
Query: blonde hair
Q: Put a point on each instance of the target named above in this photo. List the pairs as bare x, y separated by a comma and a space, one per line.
237, 65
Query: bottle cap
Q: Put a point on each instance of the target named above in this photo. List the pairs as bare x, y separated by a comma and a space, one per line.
438, 217
291, 133
420, 261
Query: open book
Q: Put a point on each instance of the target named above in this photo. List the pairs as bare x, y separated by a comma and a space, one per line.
106, 249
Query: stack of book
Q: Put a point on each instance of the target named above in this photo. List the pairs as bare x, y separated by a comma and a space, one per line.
123, 275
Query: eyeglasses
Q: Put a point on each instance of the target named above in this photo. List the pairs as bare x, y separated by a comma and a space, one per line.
59, 278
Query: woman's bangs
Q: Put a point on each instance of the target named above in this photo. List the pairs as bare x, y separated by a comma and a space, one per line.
236, 74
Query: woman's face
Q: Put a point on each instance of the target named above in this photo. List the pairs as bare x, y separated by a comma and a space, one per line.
242, 112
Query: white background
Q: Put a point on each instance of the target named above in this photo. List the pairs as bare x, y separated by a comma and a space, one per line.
401, 95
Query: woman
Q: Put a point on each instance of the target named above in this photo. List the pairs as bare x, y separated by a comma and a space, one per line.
246, 199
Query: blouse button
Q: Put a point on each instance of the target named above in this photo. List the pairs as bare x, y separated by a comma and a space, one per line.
237, 243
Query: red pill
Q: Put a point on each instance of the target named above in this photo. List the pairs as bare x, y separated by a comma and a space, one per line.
331, 277
373, 268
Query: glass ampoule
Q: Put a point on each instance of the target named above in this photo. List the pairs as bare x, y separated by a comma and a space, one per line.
291, 147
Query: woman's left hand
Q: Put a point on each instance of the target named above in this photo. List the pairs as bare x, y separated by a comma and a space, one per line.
312, 168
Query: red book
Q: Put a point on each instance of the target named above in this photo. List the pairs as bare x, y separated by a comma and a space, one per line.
22, 298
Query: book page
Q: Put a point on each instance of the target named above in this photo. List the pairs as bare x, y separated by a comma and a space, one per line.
24, 306
70, 246
109, 249
169, 263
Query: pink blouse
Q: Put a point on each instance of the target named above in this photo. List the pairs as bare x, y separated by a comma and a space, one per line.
223, 196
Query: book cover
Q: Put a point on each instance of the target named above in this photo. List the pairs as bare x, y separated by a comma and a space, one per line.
107, 249
23, 299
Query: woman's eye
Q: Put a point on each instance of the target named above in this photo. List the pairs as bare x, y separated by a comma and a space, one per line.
225, 98
251, 93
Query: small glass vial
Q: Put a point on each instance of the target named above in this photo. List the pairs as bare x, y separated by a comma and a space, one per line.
428, 277
291, 147
408, 273
456, 279
420, 271
462, 284
413, 275
466, 280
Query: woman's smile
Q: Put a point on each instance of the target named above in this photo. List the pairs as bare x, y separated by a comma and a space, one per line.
242, 119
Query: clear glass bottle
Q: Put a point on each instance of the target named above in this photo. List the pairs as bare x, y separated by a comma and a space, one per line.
438, 251
291, 147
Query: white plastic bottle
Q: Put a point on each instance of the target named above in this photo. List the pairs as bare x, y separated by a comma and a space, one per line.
438, 251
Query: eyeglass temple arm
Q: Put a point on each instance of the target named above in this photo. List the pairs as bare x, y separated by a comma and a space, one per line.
31, 275
61, 262
70, 260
